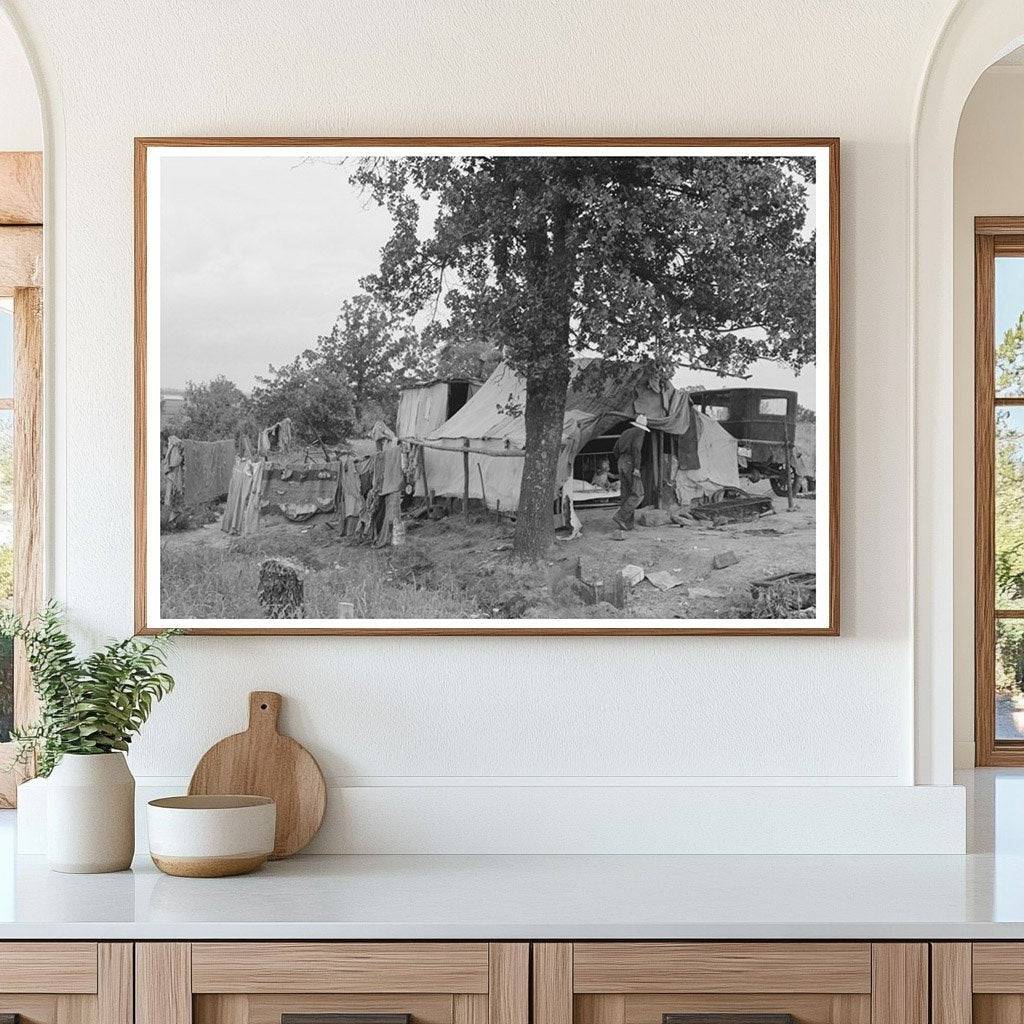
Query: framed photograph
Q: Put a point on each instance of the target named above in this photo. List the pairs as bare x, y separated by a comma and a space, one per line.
487, 386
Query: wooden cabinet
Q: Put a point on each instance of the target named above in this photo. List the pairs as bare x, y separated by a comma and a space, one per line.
66, 982
980, 982
494, 983
815, 982
260, 982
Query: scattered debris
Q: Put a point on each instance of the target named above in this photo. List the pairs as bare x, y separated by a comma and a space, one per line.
703, 592
789, 595
632, 574
665, 580
725, 559
683, 519
777, 528
652, 517
732, 504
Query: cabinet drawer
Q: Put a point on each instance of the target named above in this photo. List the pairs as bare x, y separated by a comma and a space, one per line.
635, 967
732, 982
262, 982
66, 982
340, 967
48, 967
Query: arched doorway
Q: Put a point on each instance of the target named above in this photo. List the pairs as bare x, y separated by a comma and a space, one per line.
976, 33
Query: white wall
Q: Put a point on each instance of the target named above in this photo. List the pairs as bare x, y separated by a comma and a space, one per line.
21, 126
988, 181
443, 713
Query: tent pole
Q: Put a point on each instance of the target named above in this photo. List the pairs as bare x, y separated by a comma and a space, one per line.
656, 443
423, 473
465, 478
789, 475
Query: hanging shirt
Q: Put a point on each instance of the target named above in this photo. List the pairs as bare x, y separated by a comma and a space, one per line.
393, 477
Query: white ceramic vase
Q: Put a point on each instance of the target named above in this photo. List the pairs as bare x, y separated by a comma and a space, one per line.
90, 814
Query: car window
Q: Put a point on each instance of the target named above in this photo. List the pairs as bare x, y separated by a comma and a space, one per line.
772, 407
717, 412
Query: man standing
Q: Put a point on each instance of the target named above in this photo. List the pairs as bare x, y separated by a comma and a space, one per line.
627, 451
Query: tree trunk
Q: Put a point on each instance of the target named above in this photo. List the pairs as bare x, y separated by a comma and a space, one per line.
546, 386
545, 415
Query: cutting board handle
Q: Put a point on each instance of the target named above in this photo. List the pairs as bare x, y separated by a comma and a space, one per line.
264, 710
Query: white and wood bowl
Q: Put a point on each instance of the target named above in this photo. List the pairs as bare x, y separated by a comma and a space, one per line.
211, 836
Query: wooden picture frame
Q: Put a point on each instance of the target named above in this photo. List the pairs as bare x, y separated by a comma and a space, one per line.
147, 617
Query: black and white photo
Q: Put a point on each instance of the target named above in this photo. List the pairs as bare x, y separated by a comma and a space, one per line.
462, 386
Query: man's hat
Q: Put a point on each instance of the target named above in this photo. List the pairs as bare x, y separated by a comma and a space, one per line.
641, 422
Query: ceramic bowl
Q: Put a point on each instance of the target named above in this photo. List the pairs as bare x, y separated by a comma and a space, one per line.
211, 836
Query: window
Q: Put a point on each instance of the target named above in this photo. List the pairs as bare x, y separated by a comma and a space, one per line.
21, 374
716, 412
6, 510
772, 407
999, 491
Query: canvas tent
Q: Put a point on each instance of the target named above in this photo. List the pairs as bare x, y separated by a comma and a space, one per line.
487, 435
422, 408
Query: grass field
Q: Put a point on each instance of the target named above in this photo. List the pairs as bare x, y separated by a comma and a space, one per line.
453, 569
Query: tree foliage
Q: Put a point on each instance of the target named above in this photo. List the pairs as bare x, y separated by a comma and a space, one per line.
315, 397
348, 378
214, 411
462, 345
1010, 360
1009, 507
1009, 472
674, 261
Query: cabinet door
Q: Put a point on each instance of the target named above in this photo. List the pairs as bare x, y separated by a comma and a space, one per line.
66, 982
332, 983
981, 982
737, 982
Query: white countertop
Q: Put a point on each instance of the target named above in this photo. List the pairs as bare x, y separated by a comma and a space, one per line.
978, 896
532, 897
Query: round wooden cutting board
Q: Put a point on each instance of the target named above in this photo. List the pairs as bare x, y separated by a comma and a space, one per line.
262, 762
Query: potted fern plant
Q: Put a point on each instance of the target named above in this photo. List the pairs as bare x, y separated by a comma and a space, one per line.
89, 710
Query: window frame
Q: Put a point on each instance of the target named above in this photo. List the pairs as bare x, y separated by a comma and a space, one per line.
993, 237
21, 261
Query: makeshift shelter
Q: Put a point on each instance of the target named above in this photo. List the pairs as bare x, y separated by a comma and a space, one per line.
478, 453
422, 408
297, 490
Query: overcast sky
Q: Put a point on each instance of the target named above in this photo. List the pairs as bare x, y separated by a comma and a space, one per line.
258, 252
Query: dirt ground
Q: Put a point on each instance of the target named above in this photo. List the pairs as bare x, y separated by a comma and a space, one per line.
689, 553
453, 569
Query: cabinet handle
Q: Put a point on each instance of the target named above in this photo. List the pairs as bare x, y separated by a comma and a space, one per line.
728, 1018
337, 1018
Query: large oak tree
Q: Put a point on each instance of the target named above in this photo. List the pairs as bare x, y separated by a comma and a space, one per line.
676, 261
